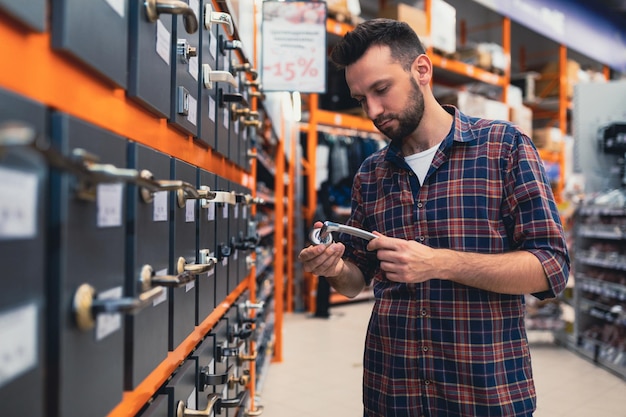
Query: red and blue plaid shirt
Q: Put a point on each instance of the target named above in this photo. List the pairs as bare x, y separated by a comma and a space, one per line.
438, 348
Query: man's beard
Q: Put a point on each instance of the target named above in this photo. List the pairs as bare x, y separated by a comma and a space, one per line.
408, 120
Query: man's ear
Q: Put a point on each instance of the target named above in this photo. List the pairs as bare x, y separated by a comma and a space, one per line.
422, 69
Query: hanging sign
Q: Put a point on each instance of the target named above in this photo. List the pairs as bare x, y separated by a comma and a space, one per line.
294, 46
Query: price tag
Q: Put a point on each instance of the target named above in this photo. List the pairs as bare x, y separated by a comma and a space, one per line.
192, 115
18, 204
163, 297
294, 46
119, 6
109, 204
18, 342
190, 211
108, 323
163, 39
211, 211
160, 206
212, 109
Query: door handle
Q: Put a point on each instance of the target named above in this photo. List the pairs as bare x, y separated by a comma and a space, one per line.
211, 17
183, 411
86, 306
209, 77
148, 279
254, 123
155, 7
245, 67
206, 263
322, 235
237, 112
242, 380
232, 402
150, 186
207, 378
230, 45
191, 193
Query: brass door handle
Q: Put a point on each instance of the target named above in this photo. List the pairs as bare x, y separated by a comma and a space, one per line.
150, 185
183, 411
148, 279
257, 412
242, 380
246, 67
155, 7
232, 402
322, 235
242, 357
206, 264
86, 306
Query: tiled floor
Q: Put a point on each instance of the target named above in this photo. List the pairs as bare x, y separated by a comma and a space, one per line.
320, 375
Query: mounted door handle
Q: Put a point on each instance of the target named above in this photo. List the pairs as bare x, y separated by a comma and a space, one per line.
211, 16
155, 7
232, 402
245, 67
150, 186
191, 193
323, 235
206, 378
206, 263
86, 306
183, 411
148, 279
242, 380
209, 76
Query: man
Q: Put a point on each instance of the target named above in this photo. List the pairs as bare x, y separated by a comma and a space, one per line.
466, 224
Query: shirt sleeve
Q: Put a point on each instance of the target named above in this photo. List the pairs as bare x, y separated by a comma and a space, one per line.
531, 211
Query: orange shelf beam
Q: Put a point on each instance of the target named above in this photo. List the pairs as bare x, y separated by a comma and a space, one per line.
133, 401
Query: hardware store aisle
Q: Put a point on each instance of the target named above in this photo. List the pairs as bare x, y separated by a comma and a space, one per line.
320, 375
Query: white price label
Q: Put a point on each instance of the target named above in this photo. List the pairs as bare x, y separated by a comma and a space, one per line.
109, 204
18, 342
119, 6
190, 211
192, 115
192, 67
160, 206
108, 323
18, 204
211, 211
163, 40
212, 45
163, 297
212, 109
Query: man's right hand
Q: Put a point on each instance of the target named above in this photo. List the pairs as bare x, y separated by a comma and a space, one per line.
324, 260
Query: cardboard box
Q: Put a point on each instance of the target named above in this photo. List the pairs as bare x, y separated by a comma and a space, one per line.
547, 85
443, 26
416, 18
547, 138
522, 116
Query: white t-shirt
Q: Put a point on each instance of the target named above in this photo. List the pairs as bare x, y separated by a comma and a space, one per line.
420, 162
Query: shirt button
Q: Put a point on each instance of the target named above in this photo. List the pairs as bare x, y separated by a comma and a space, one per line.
421, 238
425, 348
427, 382
424, 313
420, 204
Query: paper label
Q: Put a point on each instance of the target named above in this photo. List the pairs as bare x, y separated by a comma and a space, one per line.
160, 206
18, 204
108, 323
109, 204
18, 342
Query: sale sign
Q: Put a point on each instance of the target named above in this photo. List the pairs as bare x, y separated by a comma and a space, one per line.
294, 46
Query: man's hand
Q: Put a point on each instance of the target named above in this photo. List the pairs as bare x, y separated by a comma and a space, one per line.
403, 260
323, 260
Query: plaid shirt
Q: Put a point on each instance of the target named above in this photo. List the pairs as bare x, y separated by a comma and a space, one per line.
439, 348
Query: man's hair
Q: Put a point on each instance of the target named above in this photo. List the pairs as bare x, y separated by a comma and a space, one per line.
401, 39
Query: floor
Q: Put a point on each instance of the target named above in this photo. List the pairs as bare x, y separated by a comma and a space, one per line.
320, 375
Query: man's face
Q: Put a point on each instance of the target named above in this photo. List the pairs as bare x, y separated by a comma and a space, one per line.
389, 95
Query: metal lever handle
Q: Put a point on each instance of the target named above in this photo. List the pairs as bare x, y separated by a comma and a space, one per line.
241, 358
237, 112
211, 17
246, 67
231, 98
323, 235
241, 333
148, 279
222, 352
155, 7
150, 186
207, 378
86, 307
256, 412
206, 263
191, 193
230, 45
232, 402
183, 411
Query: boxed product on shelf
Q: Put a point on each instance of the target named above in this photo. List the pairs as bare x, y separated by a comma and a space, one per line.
443, 26
547, 85
548, 138
416, 18
522, 116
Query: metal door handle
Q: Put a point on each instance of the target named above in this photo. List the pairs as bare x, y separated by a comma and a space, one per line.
149, 186
242, 380
241, 358
148, 279
231, 98
246, 67
237, 112
232, 402
155, 7
86, 307
229, 45
322, 235
254, 123
191, 193
183, 411
222, 352
252, 413
206, 264
209, 77
211, 17
207, 378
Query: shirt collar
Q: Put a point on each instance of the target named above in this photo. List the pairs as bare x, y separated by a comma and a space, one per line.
462, 133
